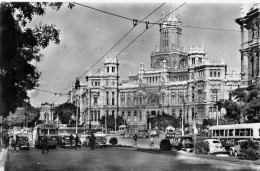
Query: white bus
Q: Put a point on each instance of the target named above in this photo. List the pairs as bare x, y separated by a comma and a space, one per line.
229, 134
50, 130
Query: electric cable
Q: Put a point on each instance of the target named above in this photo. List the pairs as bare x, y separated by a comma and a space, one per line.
110, 49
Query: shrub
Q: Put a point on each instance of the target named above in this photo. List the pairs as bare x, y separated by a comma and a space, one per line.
201, 147
165, 145
113, 140
249, 150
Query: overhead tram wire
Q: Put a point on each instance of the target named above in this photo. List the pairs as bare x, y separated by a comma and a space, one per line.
145, 22
142, 34
110, 48
46, 91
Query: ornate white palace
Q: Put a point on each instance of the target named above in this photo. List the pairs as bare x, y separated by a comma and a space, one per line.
179, 83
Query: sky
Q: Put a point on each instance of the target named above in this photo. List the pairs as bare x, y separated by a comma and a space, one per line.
86, 35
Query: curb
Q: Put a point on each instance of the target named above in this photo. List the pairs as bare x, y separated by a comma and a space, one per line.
209, 157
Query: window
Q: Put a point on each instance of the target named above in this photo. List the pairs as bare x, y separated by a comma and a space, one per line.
140, 116
217, 133
218, 74
95, 119
221, 132
113, 98
113, 69
107, 98
193, 60
226, 133
98, 115
237, 132
44, 131
92, 115
129, 113
107, 69
230, 132
215, 74
95, 100
113, 113
210, 74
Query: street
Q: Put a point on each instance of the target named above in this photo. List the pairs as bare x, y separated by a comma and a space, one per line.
110, 159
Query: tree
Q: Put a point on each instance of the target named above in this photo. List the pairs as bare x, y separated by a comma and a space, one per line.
244, 106
23, 116
165, 120
65, 111
20, 46
111, 121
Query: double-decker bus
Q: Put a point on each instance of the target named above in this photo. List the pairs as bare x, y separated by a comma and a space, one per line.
50, 130
229, 134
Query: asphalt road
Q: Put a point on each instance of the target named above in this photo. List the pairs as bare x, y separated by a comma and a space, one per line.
110, 159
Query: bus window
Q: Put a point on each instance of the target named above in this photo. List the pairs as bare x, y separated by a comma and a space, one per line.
226, 133
214, 132
242, 132
217, 132
44, 131
221, 132
237, 132
230, 132
52, 131
247, 132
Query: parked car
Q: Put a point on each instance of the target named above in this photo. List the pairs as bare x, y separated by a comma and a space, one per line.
169, 131
143, 133
154, 133
184, 142
101, 141
130, 133
215, 146
23, 142
84, 139
236, 149
65, 141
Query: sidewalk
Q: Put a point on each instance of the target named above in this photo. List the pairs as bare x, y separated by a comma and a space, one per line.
224, 158
3, 155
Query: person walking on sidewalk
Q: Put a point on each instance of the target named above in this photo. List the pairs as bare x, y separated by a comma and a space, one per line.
6, 140
11, 143
135, 140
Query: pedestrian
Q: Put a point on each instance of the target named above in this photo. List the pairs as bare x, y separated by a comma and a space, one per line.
76, 141
92, 140
45, 145
11, 143
135, 140
151, 143
6, 140
71, 138
16, 146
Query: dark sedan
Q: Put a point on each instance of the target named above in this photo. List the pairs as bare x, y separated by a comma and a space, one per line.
23, 142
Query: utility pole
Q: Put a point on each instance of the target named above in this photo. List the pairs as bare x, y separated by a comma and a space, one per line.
89, 126
77, 114
117, 94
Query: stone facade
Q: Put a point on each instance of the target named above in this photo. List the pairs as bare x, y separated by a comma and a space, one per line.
249, 24
46, 113
179, 83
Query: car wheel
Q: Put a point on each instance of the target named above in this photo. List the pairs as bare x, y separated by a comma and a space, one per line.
235, 153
